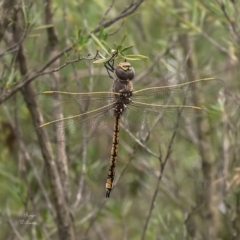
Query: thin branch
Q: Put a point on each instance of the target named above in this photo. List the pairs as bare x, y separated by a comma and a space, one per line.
231, 25
11, 49
28, 94
94, 216
148, 70
7, 6
215, 43
28, 78
29, 160
162, 167
82, 177
139, 142
16, 232
89, 57
117, 29
106, 12
126, 12
27, 29
64, 220
132, 153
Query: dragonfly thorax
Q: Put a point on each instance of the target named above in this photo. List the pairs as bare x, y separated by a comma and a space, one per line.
124, 71
123, 100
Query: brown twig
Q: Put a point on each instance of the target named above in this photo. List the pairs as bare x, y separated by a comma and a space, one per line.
161, 170
5, 16
28, 94
27, 157
64, 220
126, 12
106, 12
203, 144
28, 78
231, 23
89, 57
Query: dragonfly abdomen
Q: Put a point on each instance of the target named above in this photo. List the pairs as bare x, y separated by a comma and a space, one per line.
113, 158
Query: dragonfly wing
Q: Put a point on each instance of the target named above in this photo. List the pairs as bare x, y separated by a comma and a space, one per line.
205, 90
165, 107
75, 115
142, 117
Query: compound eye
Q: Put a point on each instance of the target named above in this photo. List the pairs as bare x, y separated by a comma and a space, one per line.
121, 73
124, 71
131, 74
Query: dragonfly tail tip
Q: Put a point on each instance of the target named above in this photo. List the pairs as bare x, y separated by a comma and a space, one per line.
108, 191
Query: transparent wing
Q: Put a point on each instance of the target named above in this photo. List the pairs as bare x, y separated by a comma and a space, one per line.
73, 103
181, 94
85, 113
164, 107
75, 114
145, 117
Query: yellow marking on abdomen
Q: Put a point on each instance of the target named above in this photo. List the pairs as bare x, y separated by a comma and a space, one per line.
113, 159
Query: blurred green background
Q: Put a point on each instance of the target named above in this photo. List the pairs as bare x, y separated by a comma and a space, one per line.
196, 195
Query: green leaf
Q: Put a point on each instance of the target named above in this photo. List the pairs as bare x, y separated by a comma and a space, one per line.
123, 39
102, 60
102, 35
23, 9
11, 78
39, 231
81, 39
79, 33
43, 27
127, 206
126, 48
134, 57
6, 174
106, 46
99, 43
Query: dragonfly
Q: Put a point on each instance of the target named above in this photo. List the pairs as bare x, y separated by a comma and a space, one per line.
143, 110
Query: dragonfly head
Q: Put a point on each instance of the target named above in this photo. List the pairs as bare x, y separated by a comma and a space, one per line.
124, 71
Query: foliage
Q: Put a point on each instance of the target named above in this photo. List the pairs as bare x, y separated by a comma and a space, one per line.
178, 184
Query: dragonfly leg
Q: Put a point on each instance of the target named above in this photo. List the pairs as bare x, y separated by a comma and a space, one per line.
109, 65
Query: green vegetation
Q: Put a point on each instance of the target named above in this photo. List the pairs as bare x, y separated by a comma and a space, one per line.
169, 184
